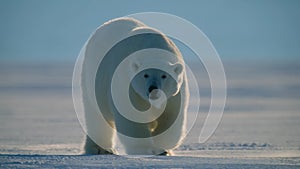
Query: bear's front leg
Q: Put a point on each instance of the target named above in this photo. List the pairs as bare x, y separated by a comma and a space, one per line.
100, 135
135, 137
90, 147
140, 146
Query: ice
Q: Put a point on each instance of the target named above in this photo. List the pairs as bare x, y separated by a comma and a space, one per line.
259, 128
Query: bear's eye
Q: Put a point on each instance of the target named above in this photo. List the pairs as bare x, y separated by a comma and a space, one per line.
146, 75
163, 76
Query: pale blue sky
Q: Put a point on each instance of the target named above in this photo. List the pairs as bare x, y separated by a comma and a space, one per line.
55, 30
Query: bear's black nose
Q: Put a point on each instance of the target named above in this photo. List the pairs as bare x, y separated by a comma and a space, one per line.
152, 88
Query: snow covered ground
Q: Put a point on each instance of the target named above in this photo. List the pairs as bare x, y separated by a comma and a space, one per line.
259, 128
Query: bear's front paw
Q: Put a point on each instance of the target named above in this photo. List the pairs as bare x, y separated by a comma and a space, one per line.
103, 151
166, 153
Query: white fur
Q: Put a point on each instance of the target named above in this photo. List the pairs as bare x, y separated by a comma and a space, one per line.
100, 139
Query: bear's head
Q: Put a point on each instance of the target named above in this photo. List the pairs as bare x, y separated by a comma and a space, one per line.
148, 82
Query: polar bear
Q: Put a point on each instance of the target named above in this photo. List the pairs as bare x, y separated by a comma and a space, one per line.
157, 90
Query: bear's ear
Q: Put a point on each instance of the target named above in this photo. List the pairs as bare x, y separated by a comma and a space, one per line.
178, 68
135, 66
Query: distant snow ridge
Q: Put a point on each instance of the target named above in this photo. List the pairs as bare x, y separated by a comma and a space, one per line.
225, 146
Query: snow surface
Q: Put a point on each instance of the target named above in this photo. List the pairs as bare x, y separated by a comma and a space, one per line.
259, 128
109, 161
